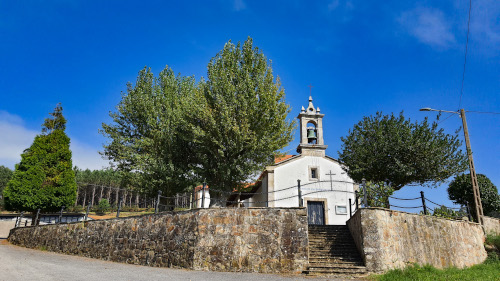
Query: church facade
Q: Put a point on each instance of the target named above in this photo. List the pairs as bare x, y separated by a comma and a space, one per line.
326, 190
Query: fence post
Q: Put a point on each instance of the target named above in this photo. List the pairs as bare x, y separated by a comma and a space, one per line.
350, 208
195, 200
60, 215
239, 199
468, 211
203, 195
18, 223
36, 217
423, 202
157, 206
87, 212
357, 199
119, 207
365, 196
301, 204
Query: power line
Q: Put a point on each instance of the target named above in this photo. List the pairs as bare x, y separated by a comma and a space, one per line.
483, 112
451, 114
465, 59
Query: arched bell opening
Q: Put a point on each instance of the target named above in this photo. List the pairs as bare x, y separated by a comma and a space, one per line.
312, 133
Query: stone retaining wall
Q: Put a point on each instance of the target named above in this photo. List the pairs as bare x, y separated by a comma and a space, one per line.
228, 239
391, 239
491, 225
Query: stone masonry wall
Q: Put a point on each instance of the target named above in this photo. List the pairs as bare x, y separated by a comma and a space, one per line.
491, 225
393, 239
226, 239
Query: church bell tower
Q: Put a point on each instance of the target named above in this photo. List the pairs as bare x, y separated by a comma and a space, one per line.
311, 131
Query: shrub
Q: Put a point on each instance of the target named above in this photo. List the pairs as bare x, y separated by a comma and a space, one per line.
103, 207
76, 209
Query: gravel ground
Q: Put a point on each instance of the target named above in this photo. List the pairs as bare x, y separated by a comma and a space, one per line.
18, 263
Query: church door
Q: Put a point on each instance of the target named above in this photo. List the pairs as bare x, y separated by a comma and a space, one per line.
316, 212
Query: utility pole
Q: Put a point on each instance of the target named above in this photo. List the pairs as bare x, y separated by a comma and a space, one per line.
473, 177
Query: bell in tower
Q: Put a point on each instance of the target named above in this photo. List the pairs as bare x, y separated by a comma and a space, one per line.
311, 135
311, 131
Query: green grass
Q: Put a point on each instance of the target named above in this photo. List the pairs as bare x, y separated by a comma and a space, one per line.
489, 270
486, 271
493, 240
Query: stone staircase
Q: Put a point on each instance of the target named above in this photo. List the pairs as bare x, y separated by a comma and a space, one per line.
332, 252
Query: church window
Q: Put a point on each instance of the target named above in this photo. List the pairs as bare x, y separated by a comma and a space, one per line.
313, 173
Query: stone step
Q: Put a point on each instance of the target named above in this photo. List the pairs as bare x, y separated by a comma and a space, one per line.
341, 270
345, 263
331, 236
335, 259
332, 242
333, 246
333, 251
328, 232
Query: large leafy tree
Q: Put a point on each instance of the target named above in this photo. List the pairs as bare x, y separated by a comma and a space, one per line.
174, 132
148, 133
460, 192
242, 121
388, 148
44, 178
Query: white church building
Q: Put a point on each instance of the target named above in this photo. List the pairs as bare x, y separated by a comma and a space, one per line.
326, 190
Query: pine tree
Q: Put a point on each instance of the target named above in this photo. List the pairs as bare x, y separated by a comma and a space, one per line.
44, 179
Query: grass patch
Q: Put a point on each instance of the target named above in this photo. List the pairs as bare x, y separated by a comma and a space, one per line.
493, 240
489, 270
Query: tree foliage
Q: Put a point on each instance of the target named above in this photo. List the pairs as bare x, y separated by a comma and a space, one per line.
388, 148
175, 132
377, 194
5, 176
44, 178
445, 212
104, 177
148, 133
460, 192
243, 118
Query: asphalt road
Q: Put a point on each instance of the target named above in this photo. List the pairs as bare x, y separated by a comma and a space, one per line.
18, 263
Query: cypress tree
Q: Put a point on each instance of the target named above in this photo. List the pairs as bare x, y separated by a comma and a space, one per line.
44, 179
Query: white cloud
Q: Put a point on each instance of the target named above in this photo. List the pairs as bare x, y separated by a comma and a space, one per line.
15, 138
429, 26
485, 23
86, 157
239, 5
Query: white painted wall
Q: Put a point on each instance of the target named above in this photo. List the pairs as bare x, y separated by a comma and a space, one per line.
286, 176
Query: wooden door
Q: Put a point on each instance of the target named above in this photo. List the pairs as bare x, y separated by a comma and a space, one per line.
316, 212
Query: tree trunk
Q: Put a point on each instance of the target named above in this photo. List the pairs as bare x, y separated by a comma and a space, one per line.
84, 197
116, 196
100, 195
109, 195
93, 195
77, 192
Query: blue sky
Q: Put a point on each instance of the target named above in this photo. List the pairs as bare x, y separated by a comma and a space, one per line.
360, 56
